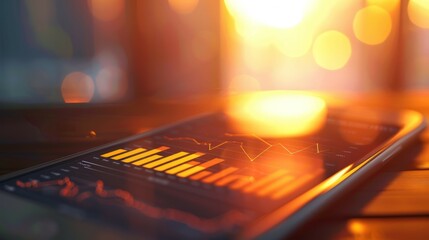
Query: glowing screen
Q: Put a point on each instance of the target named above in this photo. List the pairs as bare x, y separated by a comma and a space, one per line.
197, 179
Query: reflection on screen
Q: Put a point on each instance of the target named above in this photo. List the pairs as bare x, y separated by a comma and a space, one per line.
199, 179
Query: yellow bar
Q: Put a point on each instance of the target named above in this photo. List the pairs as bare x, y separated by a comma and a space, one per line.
275, 185
145, 154
127, 154
229, 179
179, 161
291, 187
146, 160
182, 167
166, 159
242, 182
201, 167
300, 182
113, 153
220, 174
263, 181
200, 175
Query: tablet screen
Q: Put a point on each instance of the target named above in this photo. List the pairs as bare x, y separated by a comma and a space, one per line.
197, 179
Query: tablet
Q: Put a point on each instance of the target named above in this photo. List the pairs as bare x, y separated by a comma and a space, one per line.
202, 179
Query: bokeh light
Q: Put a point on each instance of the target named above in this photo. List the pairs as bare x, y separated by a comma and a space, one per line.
271, 13
388, 5
77, 87
183, 6
277, 113
332, 35
418, 12
332, 50
111, 84
358, 228
106, 10
372, 25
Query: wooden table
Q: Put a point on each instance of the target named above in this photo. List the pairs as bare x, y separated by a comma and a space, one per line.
393, 204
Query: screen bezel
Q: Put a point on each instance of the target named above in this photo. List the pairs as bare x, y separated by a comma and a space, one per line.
289, 216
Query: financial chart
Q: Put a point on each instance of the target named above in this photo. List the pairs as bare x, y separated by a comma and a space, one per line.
201, 177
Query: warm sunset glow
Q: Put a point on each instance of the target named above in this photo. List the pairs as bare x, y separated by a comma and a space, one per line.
106, 10
277, 113
253, 34
372, 25
418, 12
295, 43
332, 50
183, 6
271, 13
77, 87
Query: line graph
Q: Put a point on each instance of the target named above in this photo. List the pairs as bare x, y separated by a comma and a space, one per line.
268, 146
69, 189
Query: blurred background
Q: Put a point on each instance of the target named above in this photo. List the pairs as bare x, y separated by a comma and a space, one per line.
352, 46
70, 71
117, 51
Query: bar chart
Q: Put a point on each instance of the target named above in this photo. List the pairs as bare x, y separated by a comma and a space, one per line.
187, 165
202, 176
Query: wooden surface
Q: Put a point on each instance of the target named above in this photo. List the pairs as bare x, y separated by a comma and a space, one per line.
393, 204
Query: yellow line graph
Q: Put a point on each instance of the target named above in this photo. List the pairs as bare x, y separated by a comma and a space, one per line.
211, 146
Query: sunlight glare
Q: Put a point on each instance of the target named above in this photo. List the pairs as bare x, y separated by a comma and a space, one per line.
277, 113
271, 13
294, 43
